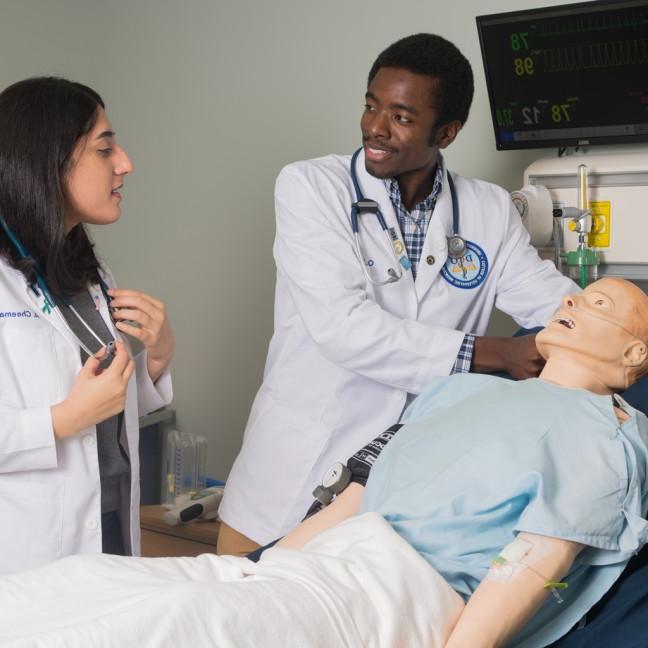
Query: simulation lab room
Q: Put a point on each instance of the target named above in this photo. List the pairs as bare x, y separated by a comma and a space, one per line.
323, 324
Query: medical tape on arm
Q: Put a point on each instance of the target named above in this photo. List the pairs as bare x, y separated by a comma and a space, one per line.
520, 555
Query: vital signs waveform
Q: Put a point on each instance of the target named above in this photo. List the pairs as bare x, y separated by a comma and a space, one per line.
595, 23
596, 56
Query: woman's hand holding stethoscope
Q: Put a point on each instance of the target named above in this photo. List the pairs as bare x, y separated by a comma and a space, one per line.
151, 326
96, 395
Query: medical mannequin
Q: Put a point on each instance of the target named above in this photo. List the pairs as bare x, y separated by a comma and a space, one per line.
341, 579
69, 477
348, 354
596, 342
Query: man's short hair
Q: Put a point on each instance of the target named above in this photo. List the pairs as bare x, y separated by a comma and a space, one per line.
436, 57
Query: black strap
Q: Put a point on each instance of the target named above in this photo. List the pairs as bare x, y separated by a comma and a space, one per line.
361, 462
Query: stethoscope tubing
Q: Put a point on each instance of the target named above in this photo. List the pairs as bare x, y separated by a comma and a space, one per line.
456, 244
47, 296
361, 205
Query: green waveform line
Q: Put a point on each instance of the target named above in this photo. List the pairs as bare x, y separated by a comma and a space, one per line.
594, 23
597, 56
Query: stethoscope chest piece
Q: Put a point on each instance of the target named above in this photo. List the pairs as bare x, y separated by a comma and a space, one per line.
456, 246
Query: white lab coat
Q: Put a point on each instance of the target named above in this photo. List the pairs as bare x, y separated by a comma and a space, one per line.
345, 354
50, 499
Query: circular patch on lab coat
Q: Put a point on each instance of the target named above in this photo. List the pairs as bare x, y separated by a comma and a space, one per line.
468, 272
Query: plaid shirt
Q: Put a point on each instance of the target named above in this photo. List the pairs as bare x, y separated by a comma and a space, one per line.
414, 226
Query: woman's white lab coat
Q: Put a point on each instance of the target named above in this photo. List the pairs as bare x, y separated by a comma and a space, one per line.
50, 499
345, 354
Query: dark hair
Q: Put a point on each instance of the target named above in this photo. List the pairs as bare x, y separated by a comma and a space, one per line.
435, 57
41, 121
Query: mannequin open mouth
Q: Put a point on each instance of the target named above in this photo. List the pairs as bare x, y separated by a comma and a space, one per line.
566, 322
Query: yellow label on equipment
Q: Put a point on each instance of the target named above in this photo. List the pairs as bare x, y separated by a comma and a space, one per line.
599, 237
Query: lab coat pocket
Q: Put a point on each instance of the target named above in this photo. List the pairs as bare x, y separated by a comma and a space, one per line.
288, 442
32, 515
300, 434
29, 375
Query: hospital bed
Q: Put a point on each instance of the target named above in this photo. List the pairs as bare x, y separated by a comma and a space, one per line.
290, 598
357, 585
621, 617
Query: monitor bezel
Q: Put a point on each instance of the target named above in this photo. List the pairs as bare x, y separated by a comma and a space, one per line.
558, 142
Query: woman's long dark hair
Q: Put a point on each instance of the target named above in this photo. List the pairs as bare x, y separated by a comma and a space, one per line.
41, 121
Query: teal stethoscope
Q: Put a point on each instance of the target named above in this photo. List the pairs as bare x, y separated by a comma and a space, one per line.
456, 245
49, 305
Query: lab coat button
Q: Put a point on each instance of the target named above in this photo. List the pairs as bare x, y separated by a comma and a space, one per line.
430, 259
92, 524
88, 440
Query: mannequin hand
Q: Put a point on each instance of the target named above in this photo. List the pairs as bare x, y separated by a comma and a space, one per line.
95, 395
153, 330
518, 356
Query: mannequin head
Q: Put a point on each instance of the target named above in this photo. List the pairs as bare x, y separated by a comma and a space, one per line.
598, 339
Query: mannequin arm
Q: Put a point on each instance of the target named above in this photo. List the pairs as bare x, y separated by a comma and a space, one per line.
499, 608
345, 505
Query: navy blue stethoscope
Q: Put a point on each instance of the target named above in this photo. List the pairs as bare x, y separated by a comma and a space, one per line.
49, 304
456, 245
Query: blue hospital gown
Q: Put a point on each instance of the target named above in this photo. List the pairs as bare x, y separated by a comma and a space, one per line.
481, 458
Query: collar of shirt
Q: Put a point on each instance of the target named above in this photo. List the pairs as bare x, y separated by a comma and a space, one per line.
414, 224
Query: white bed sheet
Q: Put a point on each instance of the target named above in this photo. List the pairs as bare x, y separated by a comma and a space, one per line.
358, 585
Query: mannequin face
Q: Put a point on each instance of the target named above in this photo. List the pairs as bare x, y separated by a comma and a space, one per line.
604, 328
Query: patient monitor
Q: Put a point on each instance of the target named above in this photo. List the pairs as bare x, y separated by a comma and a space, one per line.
570, 77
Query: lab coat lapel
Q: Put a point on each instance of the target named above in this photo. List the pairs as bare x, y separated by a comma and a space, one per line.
104, 309
25, 294
49, 315
22, 293
372, 234
435, 246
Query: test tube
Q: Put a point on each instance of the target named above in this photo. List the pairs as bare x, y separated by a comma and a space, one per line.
172, 482
181, 470
200, 462
188, 442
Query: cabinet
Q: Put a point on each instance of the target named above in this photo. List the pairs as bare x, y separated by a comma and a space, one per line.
154, 428
190, 539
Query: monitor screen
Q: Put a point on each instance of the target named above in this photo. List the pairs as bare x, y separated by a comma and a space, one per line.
571, 75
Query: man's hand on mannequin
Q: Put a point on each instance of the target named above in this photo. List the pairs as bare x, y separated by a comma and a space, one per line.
517, 356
